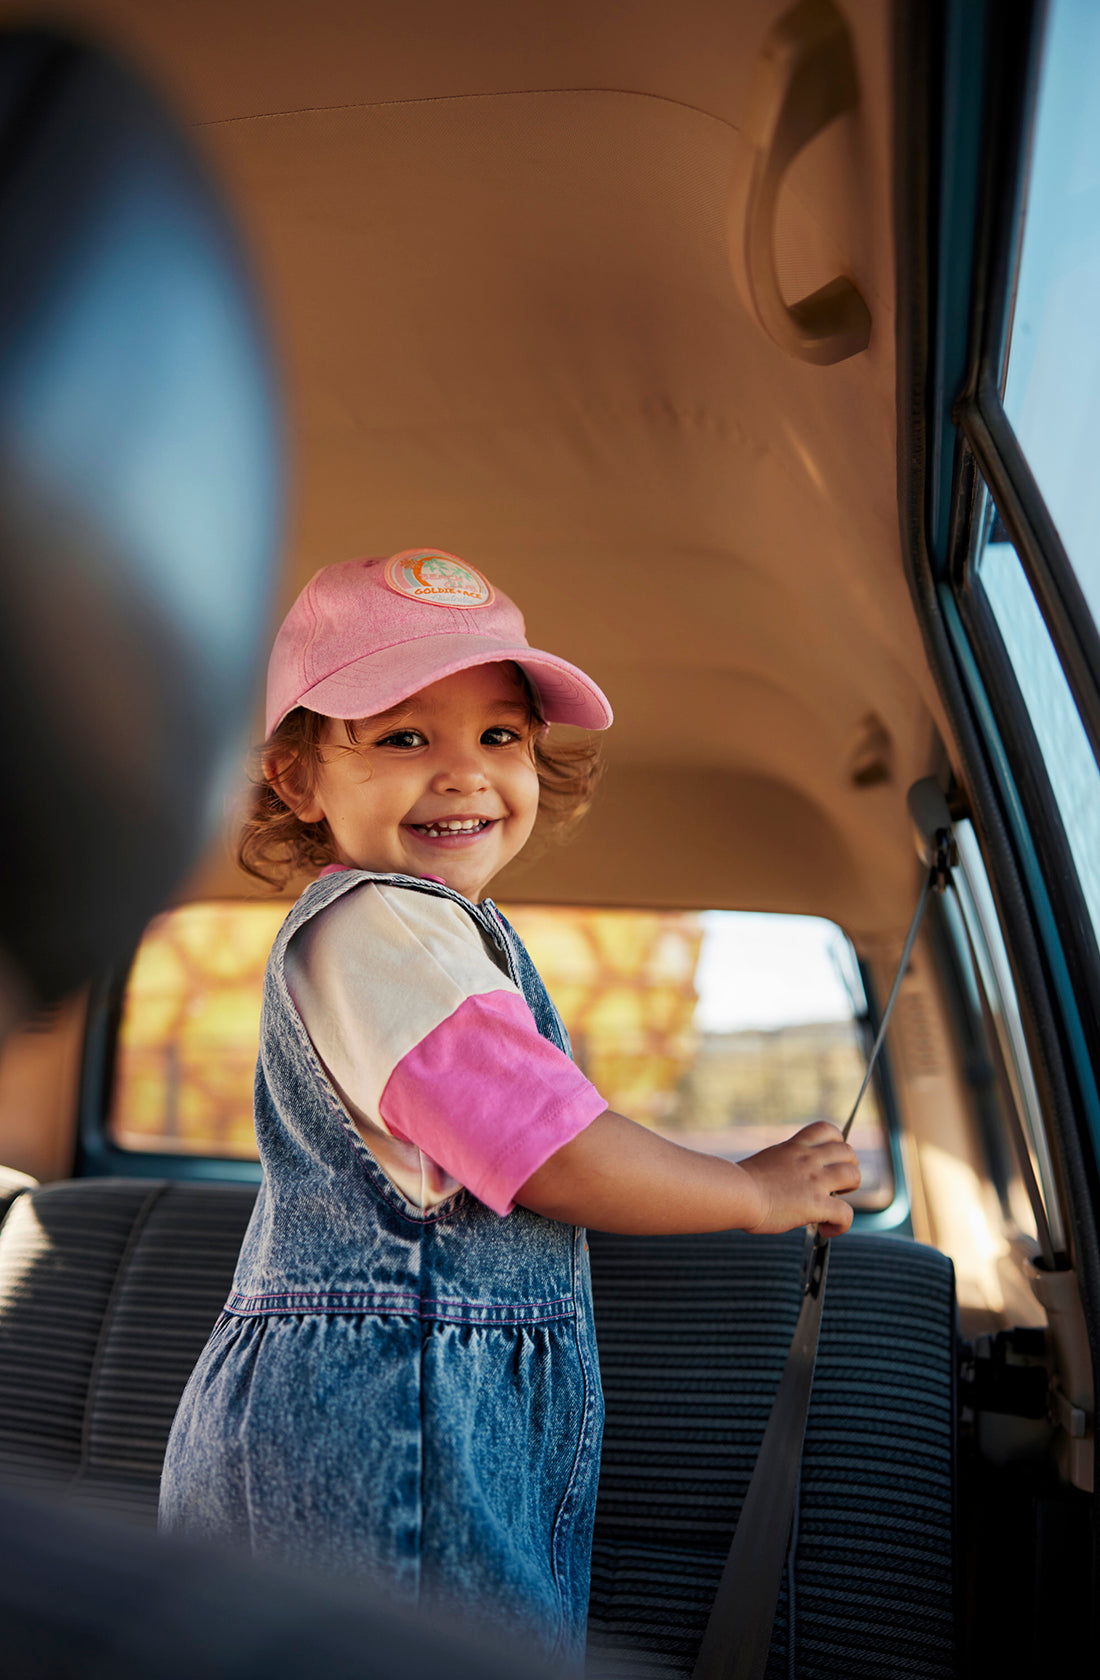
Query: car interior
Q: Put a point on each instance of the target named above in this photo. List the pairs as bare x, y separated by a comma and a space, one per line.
715, 336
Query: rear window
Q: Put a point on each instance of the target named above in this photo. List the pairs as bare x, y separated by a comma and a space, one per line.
190, 1025
723, 1031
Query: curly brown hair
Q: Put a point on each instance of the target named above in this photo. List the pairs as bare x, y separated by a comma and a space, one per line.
275, 844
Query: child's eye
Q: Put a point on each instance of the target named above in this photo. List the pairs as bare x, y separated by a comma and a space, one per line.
500, 736
403, 738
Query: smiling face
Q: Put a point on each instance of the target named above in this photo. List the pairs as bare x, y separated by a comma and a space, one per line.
443, 784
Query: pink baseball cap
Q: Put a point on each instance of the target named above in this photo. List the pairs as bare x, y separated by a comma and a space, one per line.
364, 634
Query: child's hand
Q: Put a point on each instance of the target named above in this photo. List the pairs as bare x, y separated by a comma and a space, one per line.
802, 1180
617, 1176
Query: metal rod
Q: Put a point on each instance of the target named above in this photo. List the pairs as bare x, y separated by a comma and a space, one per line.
907, 952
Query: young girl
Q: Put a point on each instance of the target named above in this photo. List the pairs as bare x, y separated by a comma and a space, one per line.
404, 1381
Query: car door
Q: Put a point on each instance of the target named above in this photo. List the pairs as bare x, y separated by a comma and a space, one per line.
999, 245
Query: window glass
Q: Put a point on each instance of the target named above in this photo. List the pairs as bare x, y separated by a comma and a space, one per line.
781, 1039
984, 932
1052, 395
186, 1053
723, 1031
1063, 743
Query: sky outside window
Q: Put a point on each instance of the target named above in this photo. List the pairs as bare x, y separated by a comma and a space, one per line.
768, 971
1052, 395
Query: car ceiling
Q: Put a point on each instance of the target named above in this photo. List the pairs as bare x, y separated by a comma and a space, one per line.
493, 238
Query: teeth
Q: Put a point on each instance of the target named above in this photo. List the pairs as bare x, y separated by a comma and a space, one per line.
436, 831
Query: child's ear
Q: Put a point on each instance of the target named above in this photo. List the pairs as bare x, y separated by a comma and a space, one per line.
284, 771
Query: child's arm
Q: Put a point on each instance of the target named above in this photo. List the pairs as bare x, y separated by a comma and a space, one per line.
618, 1176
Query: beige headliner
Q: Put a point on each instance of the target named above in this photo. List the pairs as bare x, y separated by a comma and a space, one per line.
493, 235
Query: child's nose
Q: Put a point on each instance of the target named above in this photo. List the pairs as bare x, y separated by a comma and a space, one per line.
464, 775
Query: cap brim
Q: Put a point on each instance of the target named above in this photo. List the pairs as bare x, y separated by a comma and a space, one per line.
380, 680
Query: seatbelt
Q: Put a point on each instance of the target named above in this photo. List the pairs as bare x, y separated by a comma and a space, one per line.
738, 1636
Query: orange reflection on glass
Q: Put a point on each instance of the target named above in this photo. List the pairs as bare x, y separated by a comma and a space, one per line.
190, 1028
624, 983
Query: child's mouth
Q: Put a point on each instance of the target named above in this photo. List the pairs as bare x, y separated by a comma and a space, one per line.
453, 829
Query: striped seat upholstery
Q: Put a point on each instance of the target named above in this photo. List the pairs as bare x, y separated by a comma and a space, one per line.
693, 1334
109, 1288
13, 1184
108, 1291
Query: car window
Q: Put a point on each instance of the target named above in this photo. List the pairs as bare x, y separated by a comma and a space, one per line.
186, 1051
1052, 390
983, 936
1020, 580
724, 1031
1067, 756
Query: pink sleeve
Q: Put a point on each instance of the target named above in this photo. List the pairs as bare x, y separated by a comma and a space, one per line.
488, 1098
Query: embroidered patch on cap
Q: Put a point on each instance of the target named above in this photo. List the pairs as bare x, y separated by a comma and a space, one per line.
441, 580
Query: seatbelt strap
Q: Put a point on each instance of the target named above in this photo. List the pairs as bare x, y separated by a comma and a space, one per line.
738, 1636
735, 1645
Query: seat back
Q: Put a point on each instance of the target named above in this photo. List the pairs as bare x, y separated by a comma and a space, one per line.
693, 1333
110, 1287
108, 1291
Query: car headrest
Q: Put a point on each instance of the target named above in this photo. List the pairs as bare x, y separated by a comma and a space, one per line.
140, 506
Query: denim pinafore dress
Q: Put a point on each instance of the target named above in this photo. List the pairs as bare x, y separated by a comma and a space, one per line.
412, 1395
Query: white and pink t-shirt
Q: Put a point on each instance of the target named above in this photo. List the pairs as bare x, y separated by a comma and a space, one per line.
431, 1046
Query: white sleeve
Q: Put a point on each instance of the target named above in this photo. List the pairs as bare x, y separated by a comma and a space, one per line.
377, 971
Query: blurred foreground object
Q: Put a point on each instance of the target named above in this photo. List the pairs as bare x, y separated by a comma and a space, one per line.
139, 516
140, 508
82, 1599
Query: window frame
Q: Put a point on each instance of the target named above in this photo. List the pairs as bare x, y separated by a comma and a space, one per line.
1053, 858
97, 1155
966, 78
897, 1216
978, 937
988, 458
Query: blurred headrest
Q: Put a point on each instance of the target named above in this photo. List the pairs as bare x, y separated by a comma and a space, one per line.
140, 506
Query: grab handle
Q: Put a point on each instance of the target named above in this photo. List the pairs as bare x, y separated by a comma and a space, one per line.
805, 76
